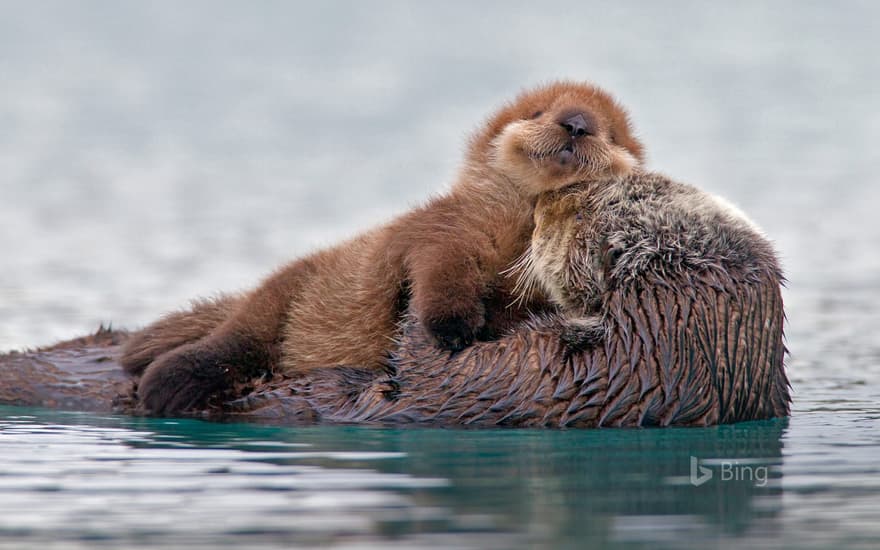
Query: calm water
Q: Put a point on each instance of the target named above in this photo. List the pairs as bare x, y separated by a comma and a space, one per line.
153, 152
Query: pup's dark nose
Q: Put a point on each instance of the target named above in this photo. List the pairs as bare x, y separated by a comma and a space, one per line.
577, 125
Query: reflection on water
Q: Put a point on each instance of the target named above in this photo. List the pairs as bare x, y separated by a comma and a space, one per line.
148, 482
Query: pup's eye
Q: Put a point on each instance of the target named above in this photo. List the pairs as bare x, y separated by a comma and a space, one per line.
579, 217
536, 114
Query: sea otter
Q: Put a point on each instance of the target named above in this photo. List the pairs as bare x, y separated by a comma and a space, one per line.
442, 262
689, 297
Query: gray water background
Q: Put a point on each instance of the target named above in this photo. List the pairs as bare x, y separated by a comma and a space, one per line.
154, 152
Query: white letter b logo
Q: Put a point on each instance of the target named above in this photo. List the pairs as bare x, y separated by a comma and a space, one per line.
699, 474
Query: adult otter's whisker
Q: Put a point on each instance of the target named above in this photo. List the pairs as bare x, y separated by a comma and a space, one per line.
526, 281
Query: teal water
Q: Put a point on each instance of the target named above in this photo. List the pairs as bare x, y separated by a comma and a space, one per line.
151, 152
74, 480
91, 479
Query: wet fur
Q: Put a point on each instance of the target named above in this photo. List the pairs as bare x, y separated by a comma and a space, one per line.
442, 261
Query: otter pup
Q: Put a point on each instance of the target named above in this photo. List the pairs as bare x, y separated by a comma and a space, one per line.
341, 306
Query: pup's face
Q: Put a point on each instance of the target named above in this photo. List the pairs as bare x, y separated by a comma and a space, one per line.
560, 134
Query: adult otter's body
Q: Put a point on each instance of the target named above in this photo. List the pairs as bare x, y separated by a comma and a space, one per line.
342, 306
689, 297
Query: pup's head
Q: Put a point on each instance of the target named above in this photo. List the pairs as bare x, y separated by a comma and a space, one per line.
556, 135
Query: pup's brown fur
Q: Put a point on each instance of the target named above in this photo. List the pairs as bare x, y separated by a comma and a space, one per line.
341, 306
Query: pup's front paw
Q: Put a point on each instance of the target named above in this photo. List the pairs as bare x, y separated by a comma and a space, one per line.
583, 334
181, 380
455, 331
